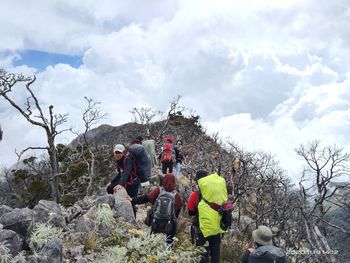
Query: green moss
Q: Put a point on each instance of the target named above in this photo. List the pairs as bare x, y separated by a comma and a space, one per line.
113, 240
62, 152
77, 169
29, 160
37, 190
67, 200
91, 241
20, 175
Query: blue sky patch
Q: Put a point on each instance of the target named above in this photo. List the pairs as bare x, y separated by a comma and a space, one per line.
40, 59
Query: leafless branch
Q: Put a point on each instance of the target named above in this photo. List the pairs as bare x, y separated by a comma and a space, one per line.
20, 154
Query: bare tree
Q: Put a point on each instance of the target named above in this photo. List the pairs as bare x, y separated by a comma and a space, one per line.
34, 114
144, 115
308, 232
91, 116
174, 109
1, 133
326, 174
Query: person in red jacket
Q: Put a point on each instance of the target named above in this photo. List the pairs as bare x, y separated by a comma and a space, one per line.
169, 186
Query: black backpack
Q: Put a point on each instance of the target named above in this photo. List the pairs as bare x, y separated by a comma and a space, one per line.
268, 254
164, 216
142, 160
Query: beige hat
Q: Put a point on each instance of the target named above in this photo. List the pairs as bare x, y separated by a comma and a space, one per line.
263, 235
119, 148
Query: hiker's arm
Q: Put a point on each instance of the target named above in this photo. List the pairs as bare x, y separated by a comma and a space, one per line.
245, 256
125, 176
116, 179
142, 199
192, 204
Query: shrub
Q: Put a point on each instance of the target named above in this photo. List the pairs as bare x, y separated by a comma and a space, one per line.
5, 255
91, 241
147, 248
104, 217
114, 254
42, 233
68, 200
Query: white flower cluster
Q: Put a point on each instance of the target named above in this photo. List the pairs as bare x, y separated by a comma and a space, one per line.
42, 233
104, 216
5, 255
147, 248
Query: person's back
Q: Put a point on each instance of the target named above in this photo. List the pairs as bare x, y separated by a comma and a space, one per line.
268, 254
265, 251
164, 216
166, 190
151, 150
166, 155
212, 189
178, 157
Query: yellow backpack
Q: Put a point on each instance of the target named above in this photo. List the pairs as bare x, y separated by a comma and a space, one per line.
213, 189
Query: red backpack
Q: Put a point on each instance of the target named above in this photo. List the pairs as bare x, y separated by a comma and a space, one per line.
167, 154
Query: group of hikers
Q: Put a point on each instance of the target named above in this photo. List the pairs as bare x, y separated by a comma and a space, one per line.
209, 206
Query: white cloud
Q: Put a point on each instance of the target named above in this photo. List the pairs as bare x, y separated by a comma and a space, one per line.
270, 74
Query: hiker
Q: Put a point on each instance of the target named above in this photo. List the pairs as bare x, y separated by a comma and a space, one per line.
166, 208
127, 171
119, 154
151, 150
178, 157
137, 140
264, 251
206, 223
166, 155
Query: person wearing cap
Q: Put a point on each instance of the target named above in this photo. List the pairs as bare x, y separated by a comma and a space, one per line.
137, 140
126, 174
265, 251
206, 224
119, 154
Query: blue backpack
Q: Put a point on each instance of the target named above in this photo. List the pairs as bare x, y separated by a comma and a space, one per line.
142, 160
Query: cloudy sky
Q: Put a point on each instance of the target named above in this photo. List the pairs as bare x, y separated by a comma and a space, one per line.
268, 75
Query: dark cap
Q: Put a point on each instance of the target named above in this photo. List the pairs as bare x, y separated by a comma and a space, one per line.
200, 174
137, 140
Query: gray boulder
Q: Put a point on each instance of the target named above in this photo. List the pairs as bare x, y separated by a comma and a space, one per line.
87, 222
122, 206
49, 211
13, 240
21, 221
5, 209
52, 251
105, 199
73, 212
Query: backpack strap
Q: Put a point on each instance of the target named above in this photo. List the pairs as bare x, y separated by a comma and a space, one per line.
133, 173
213, 205
161, 190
